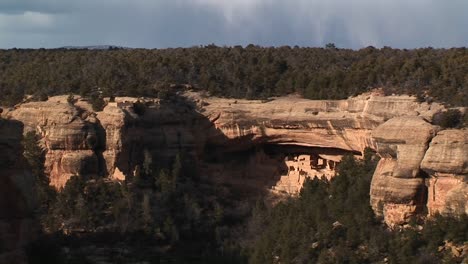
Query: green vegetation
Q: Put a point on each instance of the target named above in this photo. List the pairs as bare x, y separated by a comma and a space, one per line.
451, 118
250, 72
71, 99
97, 102
332, 222
164, 212
35, 156
139, 108
167, 214
34, 153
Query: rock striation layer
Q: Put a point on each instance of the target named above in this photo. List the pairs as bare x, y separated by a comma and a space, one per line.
341, 124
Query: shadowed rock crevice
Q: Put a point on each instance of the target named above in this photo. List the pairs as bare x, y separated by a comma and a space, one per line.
99, 148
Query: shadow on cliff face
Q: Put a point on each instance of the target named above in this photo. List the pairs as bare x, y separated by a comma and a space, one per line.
100, 147
422, 195
17, 197
161, 131
12, 198
240, 165
155, 133
249, 166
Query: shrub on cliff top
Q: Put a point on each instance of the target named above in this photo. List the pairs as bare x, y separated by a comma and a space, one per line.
97, 102
139, 108
451, 118
71, 99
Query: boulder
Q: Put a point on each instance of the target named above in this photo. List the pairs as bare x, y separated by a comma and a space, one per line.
446, 163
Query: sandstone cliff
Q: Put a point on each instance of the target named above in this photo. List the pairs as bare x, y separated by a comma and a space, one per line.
342, 124
446, 163
217, 131
69, 136
112, 142
397, 190
421, 169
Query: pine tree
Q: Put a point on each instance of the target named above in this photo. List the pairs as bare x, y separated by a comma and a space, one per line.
147, 216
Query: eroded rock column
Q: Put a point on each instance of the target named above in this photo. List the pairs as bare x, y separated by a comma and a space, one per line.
398, 189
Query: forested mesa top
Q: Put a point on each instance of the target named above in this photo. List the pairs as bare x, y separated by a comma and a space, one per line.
250, 72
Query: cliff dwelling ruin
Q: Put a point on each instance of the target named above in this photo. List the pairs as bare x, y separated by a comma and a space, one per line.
301, 167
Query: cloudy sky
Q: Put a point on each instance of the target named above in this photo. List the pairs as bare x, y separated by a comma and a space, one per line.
185, 23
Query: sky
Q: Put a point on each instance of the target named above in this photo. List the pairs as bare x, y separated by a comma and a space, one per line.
185, 23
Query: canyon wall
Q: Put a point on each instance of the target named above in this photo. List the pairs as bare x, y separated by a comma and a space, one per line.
411, 177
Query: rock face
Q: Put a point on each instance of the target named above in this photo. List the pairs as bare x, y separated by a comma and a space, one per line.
113, 121
69, 137
397, 189
341, 124
117, 141
413, 175
17, 198
446, 163
344, 125
112, 142
157, 135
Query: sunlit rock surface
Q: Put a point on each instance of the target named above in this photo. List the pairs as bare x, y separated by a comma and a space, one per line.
446, 163
68, 135
398, 191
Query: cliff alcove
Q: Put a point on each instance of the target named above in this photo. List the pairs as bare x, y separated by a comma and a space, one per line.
260, 146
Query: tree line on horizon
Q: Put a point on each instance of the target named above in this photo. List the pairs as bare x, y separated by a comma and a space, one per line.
250, 72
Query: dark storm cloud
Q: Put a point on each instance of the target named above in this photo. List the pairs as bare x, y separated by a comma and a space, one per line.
158, 23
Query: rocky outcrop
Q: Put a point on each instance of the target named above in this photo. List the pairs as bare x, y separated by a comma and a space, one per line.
154, 135
113, 121
17, 195
341, 124
446, 163
397, 189
63, 164
448, 153
413, 175
117, 141
344, 125
69, 137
